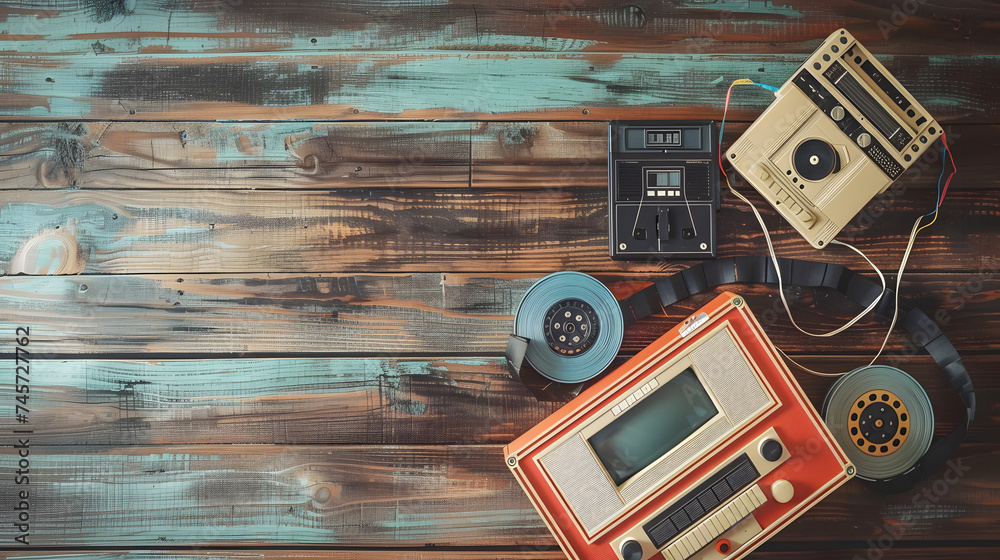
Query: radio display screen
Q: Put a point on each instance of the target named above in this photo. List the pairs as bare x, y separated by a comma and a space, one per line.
653, 426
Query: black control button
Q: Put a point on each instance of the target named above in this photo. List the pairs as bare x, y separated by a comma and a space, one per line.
694, 510
708, 500
742, 476
722, 490
662, 531
631, 550
771, 450
680, 520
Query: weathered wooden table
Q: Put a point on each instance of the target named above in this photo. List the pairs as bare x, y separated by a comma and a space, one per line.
265, 257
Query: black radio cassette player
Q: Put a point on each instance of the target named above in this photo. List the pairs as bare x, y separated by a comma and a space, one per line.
663, 189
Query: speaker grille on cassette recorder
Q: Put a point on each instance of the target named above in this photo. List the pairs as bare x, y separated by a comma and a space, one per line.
730, 377
582, 481
697, 183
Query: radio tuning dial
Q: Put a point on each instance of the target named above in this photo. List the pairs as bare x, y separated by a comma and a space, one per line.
771, 450
631, 550
864, 139
837, 113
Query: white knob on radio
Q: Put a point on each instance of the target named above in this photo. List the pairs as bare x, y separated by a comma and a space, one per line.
782, 490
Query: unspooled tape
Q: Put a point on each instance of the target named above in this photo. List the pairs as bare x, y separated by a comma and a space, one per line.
533, 321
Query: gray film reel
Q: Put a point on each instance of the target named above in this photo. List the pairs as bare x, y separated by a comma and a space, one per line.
882, 418
574, 326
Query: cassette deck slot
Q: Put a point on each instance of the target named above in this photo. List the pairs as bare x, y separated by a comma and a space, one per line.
885, 85
810, 86
870, 107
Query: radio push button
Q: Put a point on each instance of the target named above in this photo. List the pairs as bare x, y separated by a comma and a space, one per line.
782, 490
721, 521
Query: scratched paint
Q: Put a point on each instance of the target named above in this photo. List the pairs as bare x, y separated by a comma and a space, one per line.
186, 384
127, 26
250, 494
463, 82
218, 314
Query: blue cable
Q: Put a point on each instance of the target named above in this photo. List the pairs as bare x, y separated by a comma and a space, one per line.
722, 126
944, 161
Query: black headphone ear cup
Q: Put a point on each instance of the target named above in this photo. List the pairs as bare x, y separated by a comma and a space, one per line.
882, 418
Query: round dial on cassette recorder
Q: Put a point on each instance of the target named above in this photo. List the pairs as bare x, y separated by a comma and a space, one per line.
631, 550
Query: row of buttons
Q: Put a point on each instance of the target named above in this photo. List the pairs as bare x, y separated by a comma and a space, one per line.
719, 523
799, 212
694, 505
620, 407
662, 193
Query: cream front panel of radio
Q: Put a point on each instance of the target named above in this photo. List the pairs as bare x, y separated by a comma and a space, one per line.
674, 416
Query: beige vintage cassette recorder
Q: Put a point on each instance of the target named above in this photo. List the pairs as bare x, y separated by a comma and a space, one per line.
701, 446
841, 130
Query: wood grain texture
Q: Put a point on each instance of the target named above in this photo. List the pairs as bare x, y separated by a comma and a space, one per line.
363, 155
283, 340
285, 401
386, 316
397, 496
784, 551
463, 85
428, 230
104, 27
353, 401
193, 155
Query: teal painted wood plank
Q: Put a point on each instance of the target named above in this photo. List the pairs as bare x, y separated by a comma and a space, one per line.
396, 401
270, 313
459, 85
360, 155
538, 229
102, 26
233, 155
275, 401
394, 317
389, 496
245, 495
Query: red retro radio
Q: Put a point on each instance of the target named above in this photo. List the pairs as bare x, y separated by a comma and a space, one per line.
701, 446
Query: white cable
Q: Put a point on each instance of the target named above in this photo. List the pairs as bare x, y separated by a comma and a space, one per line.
642, 196
694, 226
788, 309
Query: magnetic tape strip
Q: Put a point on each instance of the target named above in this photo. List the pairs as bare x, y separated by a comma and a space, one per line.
894, 461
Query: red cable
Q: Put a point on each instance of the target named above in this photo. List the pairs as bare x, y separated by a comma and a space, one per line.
954, 169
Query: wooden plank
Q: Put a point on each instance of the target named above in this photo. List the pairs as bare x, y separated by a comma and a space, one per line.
195, 155
349, 401
414, 314
428, 230
272, 156
689, 26
285, 401
396, 496
236, 494
525, 552
375, 315
835, 551
311, 155
483, 86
